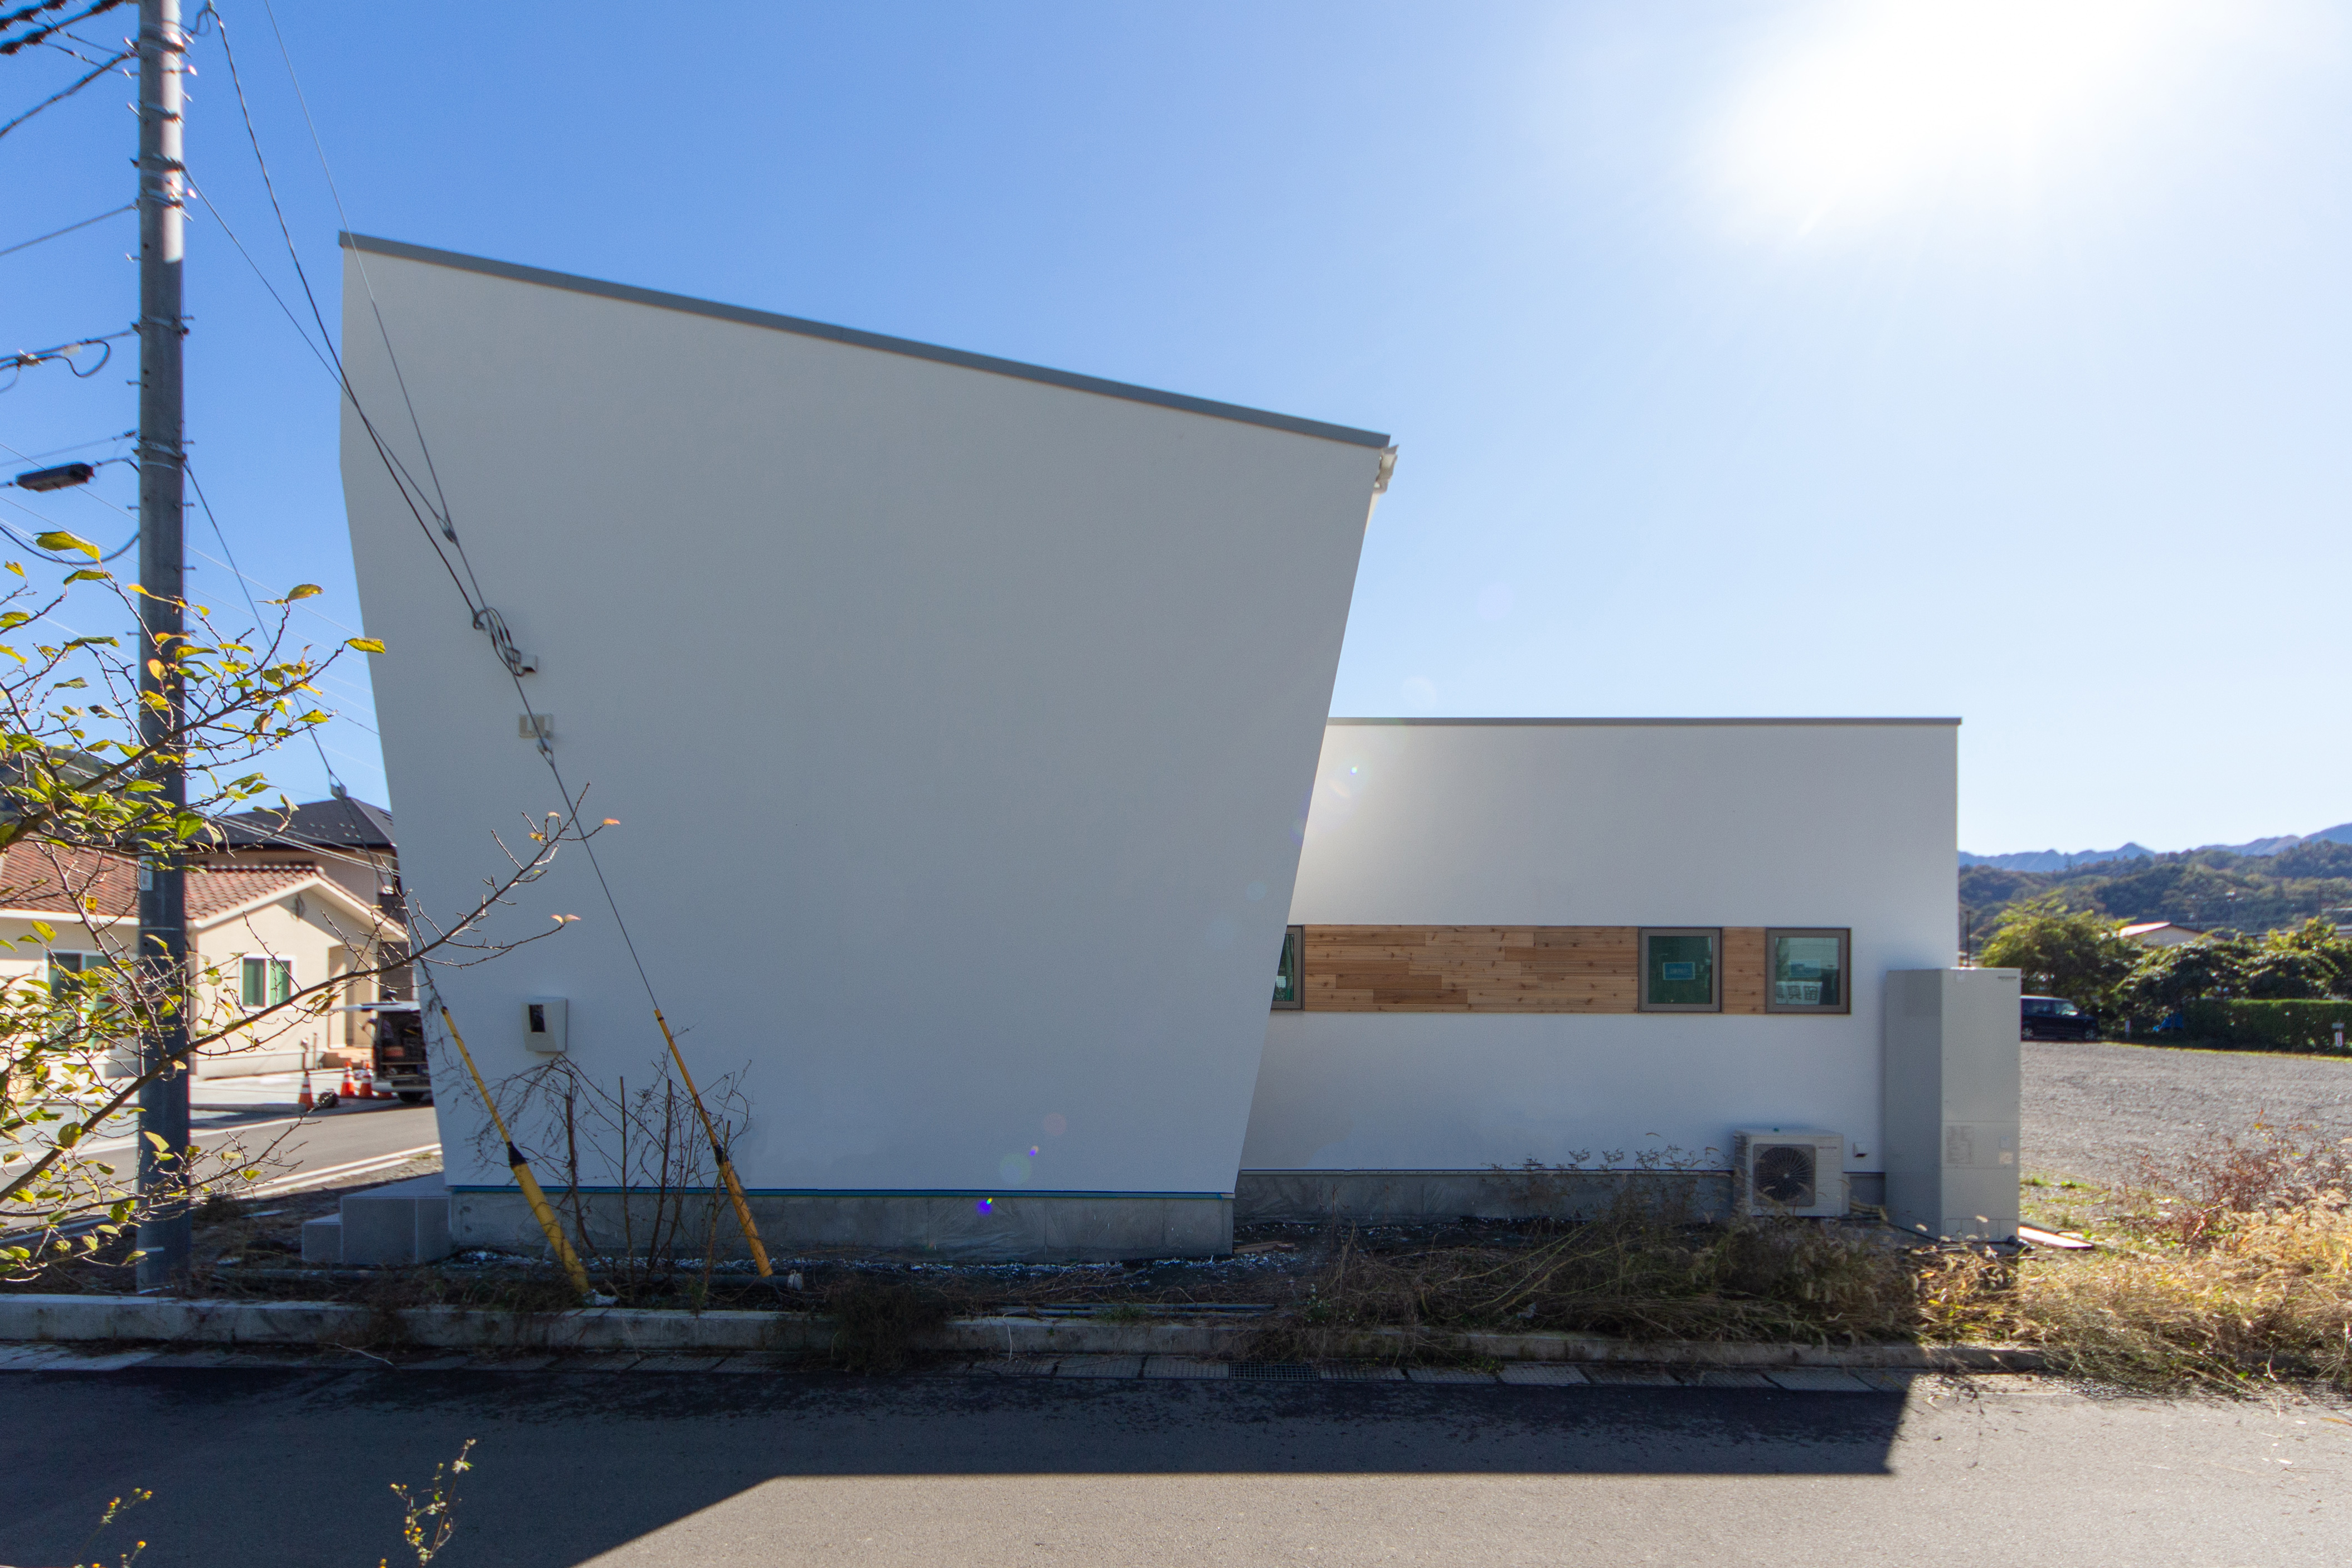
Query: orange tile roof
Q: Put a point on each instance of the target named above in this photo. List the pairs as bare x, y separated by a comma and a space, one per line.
53, 880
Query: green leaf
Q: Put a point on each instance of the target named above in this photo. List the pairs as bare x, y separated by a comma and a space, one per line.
302, 590
364, 645
58, 539
90, 574
45, 931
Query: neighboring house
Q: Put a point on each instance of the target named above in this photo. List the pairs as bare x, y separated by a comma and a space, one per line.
2162, 933
348, 842
268, 929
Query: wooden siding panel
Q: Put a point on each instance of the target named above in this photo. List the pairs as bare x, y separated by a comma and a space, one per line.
1471, 968
1743, 968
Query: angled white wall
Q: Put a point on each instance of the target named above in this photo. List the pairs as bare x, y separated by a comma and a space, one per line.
1607, 823
958, 718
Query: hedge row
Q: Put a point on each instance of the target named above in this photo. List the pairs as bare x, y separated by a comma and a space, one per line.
2268, 1026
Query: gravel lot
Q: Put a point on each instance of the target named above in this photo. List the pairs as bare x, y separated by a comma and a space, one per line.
2091, 1109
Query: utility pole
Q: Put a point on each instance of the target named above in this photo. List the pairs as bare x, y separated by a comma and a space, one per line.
165, 1234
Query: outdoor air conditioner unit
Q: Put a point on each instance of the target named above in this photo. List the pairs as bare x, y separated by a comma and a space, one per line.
1783, 1170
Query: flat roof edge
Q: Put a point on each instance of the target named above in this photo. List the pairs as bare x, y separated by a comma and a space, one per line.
744, 316
1655, 723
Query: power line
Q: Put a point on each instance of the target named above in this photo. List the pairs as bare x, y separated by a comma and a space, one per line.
53, 234
19, 361
413, 496
59, 98
76, 447
38, 34
484, 616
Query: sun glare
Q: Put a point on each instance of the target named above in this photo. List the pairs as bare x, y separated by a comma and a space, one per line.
1887, 102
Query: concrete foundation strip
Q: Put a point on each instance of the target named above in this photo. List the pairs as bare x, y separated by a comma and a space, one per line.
645, 1331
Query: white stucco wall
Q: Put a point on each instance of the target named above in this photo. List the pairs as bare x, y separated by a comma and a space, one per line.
957, 723
1606, 823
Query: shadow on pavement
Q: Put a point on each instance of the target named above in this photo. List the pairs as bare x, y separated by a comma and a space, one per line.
261, 1465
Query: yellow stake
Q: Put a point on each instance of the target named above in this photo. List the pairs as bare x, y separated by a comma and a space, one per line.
726, 1166
521, 1168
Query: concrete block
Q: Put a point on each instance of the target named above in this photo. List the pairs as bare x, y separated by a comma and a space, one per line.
1100, 1366
1376, 1196
323, 1241
1540, 1375
1631, 1377
1818, 1380
1717, 1377
404, 1223
1027, 1228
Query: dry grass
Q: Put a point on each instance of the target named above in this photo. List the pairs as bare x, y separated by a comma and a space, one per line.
1646, 1270
2229, 1267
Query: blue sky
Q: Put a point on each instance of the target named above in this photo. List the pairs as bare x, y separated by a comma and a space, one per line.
1800, 357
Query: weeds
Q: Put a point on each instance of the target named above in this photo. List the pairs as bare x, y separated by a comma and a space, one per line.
429, 1518
1647, 1269
2230, 1266
115, 1509
428, 1515
877, 1320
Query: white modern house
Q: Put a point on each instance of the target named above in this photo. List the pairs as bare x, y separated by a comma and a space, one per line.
965, 727
958, 717
1591, 943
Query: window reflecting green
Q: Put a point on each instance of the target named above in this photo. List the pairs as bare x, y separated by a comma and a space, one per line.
1679, 971
267, 980
1286, 976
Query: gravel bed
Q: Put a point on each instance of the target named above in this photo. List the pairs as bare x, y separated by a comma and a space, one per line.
2092, 1109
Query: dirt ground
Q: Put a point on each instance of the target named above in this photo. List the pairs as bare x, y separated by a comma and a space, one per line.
2090, 1110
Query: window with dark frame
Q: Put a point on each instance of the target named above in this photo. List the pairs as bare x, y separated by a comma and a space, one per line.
1289, 983
1806, 970
1682, 969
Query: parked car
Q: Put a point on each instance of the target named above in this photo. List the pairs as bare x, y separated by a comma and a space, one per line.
2053, 1018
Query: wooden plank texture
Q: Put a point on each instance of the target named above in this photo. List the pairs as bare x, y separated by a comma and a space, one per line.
1472, 969
1743, 968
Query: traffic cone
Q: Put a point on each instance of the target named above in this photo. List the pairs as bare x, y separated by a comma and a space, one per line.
366, 1078
350, 1091
306, 1099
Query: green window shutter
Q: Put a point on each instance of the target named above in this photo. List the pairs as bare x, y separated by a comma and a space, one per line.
281, 979
255, 992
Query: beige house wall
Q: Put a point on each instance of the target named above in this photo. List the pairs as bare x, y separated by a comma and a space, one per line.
309, 927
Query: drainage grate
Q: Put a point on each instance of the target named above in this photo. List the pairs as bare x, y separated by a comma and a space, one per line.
1275, 1371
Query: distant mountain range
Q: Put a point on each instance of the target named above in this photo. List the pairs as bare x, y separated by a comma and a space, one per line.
2058, 860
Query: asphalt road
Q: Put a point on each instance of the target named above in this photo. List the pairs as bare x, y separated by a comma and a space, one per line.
643, 1469
293, 1147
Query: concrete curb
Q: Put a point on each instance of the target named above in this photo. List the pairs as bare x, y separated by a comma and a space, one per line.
101, 1319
